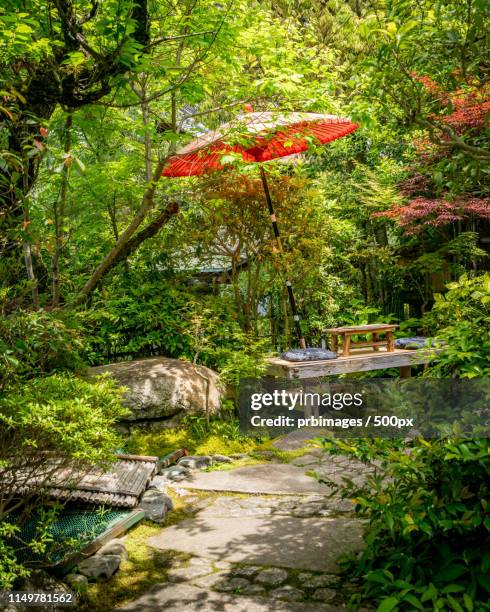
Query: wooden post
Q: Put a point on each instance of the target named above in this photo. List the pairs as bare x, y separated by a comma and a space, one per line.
346, 345
390, 347
405, 371
335, 343
375, 339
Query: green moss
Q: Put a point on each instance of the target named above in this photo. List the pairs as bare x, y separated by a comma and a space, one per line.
145, 567
215, 438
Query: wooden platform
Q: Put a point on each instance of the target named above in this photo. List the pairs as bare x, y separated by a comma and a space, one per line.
360, 360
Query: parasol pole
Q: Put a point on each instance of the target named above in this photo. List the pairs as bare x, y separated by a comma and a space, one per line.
277, 236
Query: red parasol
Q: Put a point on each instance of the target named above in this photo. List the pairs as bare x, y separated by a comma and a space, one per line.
259, 137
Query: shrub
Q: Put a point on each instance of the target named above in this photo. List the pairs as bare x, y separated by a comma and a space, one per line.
155, 317
427, 538
37, 344
147, 317
60, 417
463, 318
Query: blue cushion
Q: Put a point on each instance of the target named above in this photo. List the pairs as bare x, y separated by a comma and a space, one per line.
308, 354
417, 342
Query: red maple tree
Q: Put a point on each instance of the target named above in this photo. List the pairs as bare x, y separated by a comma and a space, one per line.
464, 111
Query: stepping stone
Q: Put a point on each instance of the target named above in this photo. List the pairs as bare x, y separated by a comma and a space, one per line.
169, 597
274, 576
298, 438
232, 584
288, 593
309, 461
234, 507
276, 478
283, 541
324, 594
183, 574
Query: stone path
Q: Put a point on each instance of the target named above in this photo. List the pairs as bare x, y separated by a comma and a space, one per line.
281, 478
286, 541
273, 546
183, 597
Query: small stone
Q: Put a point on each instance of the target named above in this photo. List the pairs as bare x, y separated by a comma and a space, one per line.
247, 572
77, 582
273, 576
99, 566
222, 459
314, 499
287, 507
235, 584
183, 574
315, 582
114, 547
287, 593
239, 456
324, 595
253, 589
175, 473
306, 460
209, 581
182, 492
304, 576
265, 454
196, 462
159, 482
156, 504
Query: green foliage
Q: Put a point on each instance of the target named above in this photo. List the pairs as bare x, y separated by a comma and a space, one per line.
428, 527
157, 317
10, 568
58, 416
64, 414
147, 317
38, 343
462, 315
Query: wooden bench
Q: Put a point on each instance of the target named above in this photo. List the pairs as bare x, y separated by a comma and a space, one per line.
361, 360
374, 330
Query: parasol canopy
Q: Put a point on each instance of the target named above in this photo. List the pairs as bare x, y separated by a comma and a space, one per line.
257, 137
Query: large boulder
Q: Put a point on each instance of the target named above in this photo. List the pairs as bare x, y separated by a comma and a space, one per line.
165, 389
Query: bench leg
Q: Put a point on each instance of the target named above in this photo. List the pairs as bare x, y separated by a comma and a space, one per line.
405, 371
335, 343
390, 347
346, 346
375, 339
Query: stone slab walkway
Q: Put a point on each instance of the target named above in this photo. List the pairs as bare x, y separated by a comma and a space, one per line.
285, 541
269, 542
270, 478
186, 597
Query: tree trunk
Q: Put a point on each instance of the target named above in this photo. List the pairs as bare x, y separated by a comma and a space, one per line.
148, 232
44, 86
59, 213
115, 254
26, 247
